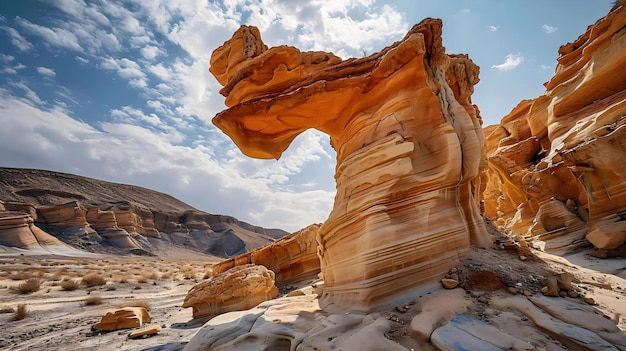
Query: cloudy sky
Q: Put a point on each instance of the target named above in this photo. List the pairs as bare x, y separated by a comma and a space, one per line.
120, 90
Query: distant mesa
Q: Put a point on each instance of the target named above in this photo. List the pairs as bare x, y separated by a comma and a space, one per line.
51, 212
409, 149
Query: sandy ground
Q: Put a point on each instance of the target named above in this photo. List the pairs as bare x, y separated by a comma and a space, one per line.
58, 319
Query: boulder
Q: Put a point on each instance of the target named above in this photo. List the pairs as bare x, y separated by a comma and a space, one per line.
128, 317
239, 288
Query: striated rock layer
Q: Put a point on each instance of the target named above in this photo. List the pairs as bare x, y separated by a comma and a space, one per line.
556, 167
409, 149
292, 258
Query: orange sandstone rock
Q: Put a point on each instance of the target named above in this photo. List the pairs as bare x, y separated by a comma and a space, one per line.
128, 317
556, 165
239, 288
292, 258
409, 149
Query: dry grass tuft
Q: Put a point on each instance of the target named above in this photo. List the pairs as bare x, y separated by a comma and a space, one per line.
70, 285
20, 312
20, 276
110, 287
94, 280
29, 286
93, 301
7, 309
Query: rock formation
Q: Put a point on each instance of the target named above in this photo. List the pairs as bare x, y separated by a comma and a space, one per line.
292, 258
409, 149
92, 214
239, 288
128, 317
556, 167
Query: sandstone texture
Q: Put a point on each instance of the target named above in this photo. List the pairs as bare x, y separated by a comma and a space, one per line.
292, 258
97, 216
409, 149
239, 288
128, 317
556, 169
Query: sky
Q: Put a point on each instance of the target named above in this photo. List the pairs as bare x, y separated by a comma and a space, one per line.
120, 90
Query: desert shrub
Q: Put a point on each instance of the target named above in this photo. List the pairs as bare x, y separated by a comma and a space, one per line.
20, 276
93, 301
20, 312
94, 280
123, 279
166, 276
70, 285
143, 279
7, 309
29, 286
208, 273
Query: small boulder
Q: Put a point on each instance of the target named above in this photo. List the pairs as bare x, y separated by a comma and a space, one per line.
449, 283
128, 317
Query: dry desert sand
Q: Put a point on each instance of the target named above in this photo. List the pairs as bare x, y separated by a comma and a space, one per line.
59, 319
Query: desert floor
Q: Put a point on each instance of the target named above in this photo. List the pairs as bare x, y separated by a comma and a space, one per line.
60, 319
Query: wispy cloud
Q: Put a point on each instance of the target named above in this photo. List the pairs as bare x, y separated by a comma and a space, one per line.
18, 40
58, 37
549, 29
510, 61
545, 67
48, 72
493, 28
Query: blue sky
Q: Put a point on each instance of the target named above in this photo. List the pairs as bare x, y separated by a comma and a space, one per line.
120, 90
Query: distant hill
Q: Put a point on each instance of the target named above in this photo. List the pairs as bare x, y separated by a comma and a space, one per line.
100, 216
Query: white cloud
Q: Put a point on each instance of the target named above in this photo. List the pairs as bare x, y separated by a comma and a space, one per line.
126, 69
511, 61
48, 72
130, 153
6, 58
545, 67
82, 59
59, 37
18, 40
150, 52
493, 28
549, 29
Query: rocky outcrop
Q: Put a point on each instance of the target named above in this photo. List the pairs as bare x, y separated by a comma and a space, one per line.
237, 289
555, 164
95, 215
292, 258
17, 229
409, 149
128, 317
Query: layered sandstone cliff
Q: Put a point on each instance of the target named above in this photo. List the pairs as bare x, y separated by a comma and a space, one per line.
409, 149
91, 214
556, 163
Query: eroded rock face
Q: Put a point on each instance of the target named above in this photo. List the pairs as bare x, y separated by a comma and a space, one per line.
239, 288
292, 258
17, 229
127, 317
556, 163
409, 149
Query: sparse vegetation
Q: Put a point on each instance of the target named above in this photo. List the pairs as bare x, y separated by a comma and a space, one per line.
20, 276
93, 301
29, 286
7, 309
94, 280
21, 312
70, 285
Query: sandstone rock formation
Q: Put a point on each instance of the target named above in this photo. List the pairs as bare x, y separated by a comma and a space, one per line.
128, 317
292, 258
556, 167
97, 215
239, 288
409, 149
